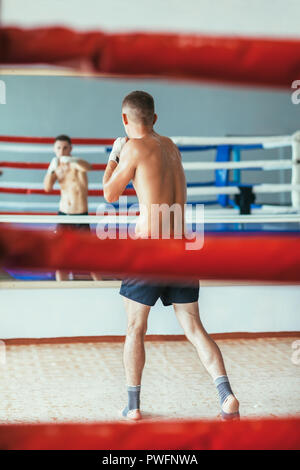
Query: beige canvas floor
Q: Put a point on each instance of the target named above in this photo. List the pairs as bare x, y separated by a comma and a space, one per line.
85, 381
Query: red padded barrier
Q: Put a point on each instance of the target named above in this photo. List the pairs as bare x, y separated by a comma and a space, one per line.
249, 256
244, 60
266, 434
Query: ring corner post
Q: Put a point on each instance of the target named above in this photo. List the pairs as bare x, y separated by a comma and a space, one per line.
222, 176
295, 194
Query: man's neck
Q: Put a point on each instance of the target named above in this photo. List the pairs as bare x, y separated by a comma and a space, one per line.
139, 132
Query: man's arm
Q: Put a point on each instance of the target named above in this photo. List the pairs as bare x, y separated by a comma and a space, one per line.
49, 181
81, 165
117, 176
51, 176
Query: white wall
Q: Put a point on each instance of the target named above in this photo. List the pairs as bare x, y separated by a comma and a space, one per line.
243, 17
44, 313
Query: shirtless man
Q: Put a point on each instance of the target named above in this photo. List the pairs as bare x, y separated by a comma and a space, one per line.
153, 163
71, 174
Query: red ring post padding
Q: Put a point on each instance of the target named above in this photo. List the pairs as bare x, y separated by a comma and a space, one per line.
251, 257
264, 434
244, 60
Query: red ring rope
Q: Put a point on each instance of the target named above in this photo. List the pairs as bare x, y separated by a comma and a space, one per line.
105, 213
56, 192
42, 166
254, 256
50, 140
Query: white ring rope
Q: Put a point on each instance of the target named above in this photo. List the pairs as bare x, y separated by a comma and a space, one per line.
231, 165
190, 217
266, 142
24, 206
257, 189
191, 191
46, 148
260, 164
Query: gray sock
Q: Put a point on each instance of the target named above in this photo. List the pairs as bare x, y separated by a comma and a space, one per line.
223, 387
133, 399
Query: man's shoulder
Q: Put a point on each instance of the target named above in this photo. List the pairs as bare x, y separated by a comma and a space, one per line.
148, 142
135, 143
167, 141
141, 148
134, 147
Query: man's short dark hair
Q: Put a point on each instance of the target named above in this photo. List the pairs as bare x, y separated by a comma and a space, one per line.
63, 138
142, 105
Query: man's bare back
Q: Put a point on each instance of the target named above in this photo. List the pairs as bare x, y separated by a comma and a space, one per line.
153, 164
159, 179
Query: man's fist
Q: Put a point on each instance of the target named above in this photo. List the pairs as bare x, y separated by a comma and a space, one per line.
65, 159
53, 165
116, 150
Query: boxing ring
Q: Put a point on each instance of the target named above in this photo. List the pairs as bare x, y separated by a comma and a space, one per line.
235, 199
260, 236
228, 157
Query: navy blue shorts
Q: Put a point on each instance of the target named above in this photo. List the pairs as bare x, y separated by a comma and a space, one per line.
80, 227
148, 293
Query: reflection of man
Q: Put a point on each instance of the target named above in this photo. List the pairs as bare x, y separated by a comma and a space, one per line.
154, 165
71, 173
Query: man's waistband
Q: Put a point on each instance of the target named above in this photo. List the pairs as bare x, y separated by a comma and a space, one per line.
64, 213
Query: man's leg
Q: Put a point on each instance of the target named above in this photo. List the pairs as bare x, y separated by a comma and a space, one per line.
134, 354
96, 276
61, 275
208, 351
